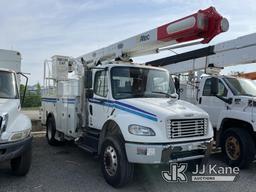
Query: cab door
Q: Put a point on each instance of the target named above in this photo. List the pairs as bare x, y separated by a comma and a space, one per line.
99, 104
210, 103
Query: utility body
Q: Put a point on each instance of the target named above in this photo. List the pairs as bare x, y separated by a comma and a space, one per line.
229, 100
125, 112
15, 127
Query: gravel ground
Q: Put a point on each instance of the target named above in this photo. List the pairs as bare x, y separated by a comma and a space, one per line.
67, 168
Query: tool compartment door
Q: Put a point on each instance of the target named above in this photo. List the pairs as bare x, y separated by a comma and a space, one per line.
62, 109
71, 116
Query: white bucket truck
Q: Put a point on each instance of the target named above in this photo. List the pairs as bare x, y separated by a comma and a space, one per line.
15, 127
125, 112
230, 101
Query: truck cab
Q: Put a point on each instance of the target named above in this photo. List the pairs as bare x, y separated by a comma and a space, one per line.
15, 127
230, 103
147, 96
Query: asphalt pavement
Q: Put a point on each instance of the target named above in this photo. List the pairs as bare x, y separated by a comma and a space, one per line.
68, 168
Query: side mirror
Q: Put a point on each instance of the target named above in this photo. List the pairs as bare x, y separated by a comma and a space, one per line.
87, 79
89, 93
25, 88
214, 86
174, 96
177, 83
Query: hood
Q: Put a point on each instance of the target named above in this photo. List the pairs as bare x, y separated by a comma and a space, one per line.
11, 107
166, 107
7, 104
243, 101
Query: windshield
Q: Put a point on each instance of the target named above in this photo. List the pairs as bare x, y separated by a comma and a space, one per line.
240, 86
8, 88
131, 82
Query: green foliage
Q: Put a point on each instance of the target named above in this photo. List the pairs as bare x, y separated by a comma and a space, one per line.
32, 98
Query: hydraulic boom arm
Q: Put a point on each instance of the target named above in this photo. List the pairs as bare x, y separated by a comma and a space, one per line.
203, 25
251, 75
230, 53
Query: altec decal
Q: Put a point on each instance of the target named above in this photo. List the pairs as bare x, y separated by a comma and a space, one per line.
125, 107
145, 37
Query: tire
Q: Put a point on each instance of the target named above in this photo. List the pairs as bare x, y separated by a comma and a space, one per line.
113, 156
51, 131
238, 147
21, 165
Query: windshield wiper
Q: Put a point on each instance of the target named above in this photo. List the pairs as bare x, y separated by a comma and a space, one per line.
167, 94
246, 94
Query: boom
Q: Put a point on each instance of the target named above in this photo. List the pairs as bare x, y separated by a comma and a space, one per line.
251, 75
230, 53
203, 25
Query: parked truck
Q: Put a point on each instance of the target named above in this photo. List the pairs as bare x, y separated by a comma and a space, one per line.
229, 100
15, 127
124, 112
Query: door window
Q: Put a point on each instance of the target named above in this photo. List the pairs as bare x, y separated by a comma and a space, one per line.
221, 92
101, 83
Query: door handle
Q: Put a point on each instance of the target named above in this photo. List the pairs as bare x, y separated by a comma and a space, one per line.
200, 100
90, 109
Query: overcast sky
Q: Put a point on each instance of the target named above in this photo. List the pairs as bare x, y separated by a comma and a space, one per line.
40, 29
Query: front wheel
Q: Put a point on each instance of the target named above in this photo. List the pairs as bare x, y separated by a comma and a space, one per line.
238, 147
21, 165
51, 132
115, 167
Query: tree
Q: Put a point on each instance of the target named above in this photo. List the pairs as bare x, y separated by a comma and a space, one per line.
38, 89
32, 98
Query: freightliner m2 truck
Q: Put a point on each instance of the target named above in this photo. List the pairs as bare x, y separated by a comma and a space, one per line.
124, 112
15, 127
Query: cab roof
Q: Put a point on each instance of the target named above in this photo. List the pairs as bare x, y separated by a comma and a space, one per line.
128, 64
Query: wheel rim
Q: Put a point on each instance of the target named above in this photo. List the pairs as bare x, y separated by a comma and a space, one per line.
110, 160
49, 131
232, 147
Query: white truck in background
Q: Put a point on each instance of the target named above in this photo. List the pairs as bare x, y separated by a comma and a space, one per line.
230, 101
125, 112
15, 127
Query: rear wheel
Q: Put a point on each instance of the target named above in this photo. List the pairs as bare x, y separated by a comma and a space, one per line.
51, 132
115, 167
21, 165
238, 147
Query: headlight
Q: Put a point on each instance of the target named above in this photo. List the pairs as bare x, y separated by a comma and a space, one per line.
4, 123
141, 130
20, 135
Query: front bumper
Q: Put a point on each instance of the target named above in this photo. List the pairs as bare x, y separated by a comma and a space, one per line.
165, 153
14, 149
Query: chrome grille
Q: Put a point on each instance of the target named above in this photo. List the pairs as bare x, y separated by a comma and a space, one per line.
181, 128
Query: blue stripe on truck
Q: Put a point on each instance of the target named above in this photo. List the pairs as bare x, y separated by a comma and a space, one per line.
124, 107
117, 104
54, 100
